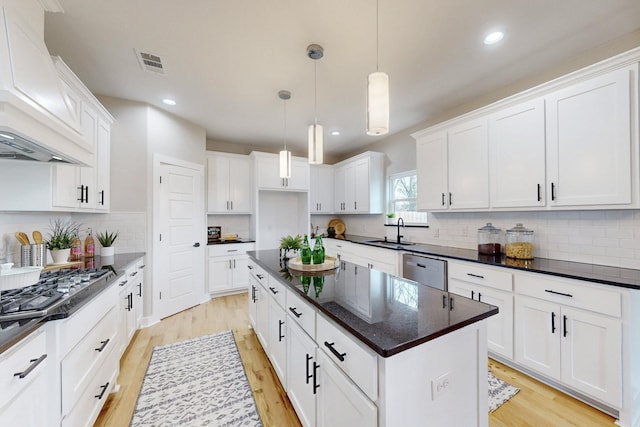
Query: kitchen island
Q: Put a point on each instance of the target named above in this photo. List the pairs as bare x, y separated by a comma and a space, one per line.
356, 346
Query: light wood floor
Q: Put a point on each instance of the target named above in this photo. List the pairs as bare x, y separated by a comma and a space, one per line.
535, 405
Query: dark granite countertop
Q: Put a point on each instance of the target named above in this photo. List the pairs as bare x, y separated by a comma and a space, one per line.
12, 332
607, 275
387, 313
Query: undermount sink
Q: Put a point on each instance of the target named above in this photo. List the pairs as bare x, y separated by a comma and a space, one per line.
390, 242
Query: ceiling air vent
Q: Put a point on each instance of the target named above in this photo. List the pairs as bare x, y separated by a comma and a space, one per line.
151, 62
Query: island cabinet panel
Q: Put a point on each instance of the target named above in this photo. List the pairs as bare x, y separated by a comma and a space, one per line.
571, 332
301, 373
278, 340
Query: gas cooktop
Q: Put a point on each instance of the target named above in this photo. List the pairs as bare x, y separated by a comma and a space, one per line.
52, 290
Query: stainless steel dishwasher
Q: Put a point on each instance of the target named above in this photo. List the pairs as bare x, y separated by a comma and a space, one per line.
424, 270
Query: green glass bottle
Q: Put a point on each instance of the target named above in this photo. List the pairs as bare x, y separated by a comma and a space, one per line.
305, 252
318, 251
318, 284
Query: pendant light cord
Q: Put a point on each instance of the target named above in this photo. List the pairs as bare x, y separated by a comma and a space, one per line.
284, 131
315, 90
377, 34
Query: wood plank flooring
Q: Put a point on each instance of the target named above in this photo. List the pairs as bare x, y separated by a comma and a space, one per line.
536, 404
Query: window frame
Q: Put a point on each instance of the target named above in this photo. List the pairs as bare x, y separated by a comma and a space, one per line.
391, 201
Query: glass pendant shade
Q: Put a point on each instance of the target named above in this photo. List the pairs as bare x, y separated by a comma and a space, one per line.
315, 144
378, 103
285, 164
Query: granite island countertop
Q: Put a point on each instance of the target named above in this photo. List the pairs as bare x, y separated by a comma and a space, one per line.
13, 331
387, 313
607, 275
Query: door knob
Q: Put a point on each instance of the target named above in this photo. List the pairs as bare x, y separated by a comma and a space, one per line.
196, 245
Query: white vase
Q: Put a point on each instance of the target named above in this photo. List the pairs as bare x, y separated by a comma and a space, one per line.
107, 251
60, 256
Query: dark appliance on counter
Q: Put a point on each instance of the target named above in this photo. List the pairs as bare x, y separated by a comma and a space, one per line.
52, 290
214, 233
426, 271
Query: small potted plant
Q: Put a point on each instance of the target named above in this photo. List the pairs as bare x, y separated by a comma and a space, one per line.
290, 243
61, 239
390, 217
106, 240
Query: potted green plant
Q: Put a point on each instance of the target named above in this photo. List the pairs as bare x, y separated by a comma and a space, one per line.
60, 239
290, 243
106, 240
390, 217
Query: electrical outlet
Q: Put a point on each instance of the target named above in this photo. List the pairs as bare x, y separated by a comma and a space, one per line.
436, 233
440, 385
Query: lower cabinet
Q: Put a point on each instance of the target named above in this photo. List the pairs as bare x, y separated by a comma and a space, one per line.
23, 381
278, 340
302, 375
227, 268
130, 295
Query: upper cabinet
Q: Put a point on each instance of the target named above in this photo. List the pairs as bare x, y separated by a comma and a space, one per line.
569, 144
359, 184
590, 140
321, 193
267, 173
228, 183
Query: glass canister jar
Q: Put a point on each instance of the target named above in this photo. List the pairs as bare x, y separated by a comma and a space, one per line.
519, 243
490, 240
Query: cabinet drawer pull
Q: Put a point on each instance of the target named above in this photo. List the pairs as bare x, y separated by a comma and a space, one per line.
102, 197
280, 324
253, 293
139, 289
315, 377
123, 283
133, 274
553, 322
260, 276
232, 250
442, 199
421, 265
475, 275
34, 363
450, 202
539, 193
335, 352
444, 301
273, 290
104, 344
553, 191
307, 374
564, 326
450, 303
295, 313
104, 389
479, 297
558, 293
250, 267
473, 294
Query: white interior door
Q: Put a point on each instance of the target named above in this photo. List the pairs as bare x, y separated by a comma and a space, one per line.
180, 255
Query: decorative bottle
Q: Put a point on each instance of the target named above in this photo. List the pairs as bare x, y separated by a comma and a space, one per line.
76, 247
305, 252
89, 245
318, 251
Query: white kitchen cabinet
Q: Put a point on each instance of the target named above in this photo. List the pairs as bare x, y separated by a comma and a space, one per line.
266, 168
339, 402
228, 183
493, 287
228, 267
517, 156
262, 314
431, 166
321, 193
468, 165
359, 184
23, 381
73, 187
302, 378
103, 165
130, 296
278, 340
589, 140
571, 332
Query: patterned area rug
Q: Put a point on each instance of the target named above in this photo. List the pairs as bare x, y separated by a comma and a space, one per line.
499, 392
196, 383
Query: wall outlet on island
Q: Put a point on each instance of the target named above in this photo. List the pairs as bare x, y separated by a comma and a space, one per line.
440, 385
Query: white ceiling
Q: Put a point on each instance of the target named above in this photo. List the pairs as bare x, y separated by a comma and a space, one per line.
227, 59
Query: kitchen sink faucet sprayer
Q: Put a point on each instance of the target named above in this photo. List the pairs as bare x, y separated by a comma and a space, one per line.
400, 236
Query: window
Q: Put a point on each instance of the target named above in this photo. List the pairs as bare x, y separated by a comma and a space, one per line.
403, 198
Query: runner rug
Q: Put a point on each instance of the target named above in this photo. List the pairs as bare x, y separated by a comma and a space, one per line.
196, 383
499, 392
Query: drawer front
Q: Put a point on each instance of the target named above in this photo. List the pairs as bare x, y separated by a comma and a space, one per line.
303, 313
92, 398
74, 328
230, 249
572, 293
278, 291
79, 366
479, 275
358, 362
18, 359
258, 273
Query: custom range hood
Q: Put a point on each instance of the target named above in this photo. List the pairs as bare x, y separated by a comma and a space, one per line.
39, 121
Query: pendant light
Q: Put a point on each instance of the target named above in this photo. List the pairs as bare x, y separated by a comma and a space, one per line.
285, 155
377, 95
315, 52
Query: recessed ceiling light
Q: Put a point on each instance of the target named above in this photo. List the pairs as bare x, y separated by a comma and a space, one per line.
494, 37
335, 132
169, 101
